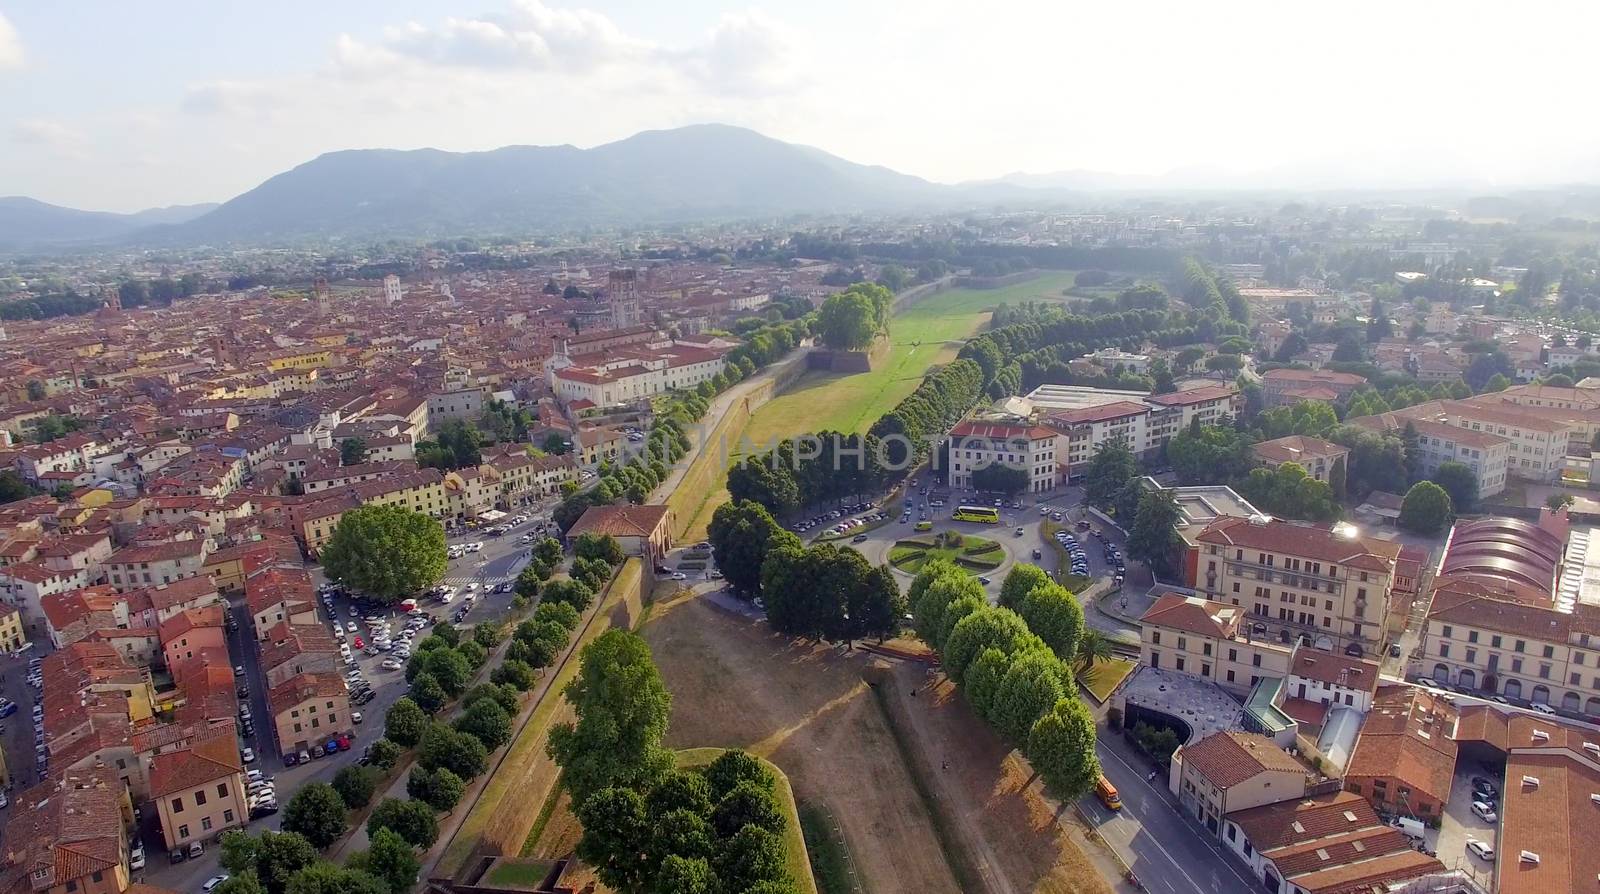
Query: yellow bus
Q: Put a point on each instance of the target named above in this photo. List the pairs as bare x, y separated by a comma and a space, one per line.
1107, 793
986, 514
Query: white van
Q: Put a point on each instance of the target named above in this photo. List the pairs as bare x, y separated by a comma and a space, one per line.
1412, 828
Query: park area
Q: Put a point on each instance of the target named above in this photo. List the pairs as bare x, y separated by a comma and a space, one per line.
975, 554
924, 796
925, 335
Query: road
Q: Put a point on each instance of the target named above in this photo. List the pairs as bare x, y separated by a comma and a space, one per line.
1169, 853
500, 559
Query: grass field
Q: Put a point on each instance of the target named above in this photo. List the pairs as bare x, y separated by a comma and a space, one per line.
1104, 676
520, 874
929, 333
974, 554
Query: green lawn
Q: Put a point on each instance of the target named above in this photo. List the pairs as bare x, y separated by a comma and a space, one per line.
513, 873
929, 333
1104, 676
975, 554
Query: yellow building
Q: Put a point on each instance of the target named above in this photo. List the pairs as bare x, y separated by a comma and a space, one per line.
199, 791
11, 634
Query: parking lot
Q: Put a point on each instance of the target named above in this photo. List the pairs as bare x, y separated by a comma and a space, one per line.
1460, 824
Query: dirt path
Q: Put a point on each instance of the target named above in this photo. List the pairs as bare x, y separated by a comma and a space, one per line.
735, 684
1001, 827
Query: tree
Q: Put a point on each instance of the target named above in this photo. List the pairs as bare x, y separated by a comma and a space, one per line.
684, 875
733, 768
1426, 508
487, 722
548, 551
390, 859
1288, 491
486, 634
558, 613
240, 884
459, 753
999, 628
741, 534
850, 320
413, 821
599, 546
572, 592
474, 653
13, 488
1034, 682
1559, 502
36, 390
881, 606
1054, 615
271, 858
1061, 749
680, 790
1460, 482
387, 552
1208, 454
425, 691
439, 789
507, 697
747, 804
614, 828
1021, 580
385, 753
554, 444
316, 812
1093, 648
352, 451
1153, 537
1111, 470
752, 856
326, 878
622, 708
355, 785
592, 573
981, 682
1001, 478
449, 667
517, 674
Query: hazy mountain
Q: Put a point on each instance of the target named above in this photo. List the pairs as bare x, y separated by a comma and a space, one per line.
25, 222
699, 172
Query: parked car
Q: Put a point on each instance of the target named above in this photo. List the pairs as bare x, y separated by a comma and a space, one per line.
212, 882
1484, 811
196, 849
247, 755
1481, 850
176, 856
136, 857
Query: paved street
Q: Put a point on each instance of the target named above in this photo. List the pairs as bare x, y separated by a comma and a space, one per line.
1167, 851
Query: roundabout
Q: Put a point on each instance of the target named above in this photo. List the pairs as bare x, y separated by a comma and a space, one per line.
977, 555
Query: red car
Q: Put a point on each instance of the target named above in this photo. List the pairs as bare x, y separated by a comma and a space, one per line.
358, 643
344, 743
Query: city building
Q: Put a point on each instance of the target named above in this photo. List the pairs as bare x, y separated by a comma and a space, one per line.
1318, 457
1487, 455
67, 835
1329, 587
1326, 844
640, 530
976, 445
1229, 771
199, 790
1405, 758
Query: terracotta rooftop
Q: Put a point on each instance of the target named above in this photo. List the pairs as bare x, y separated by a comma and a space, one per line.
1229, 757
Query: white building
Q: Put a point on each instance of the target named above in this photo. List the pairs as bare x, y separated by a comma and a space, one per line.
392, 291
976, 445
630, 373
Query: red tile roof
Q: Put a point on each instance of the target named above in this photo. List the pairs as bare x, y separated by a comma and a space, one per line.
214, 755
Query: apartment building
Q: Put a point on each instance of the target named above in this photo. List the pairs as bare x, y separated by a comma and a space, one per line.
1230, 771
1207, 639
199, 790
67, 835
1487, 455
421, 491
162, 563
625, 374
1329, 587
1515, 612
309, 708
1084, 431
1173, 412
1318, 457
976, 445
1324, 844
1405, 759
279, 595
1540, 439
1283, 387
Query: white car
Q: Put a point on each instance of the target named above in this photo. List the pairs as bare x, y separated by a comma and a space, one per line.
212, 883
247, 755
352, 626
1484, 811
355, 716
136, 857
1542, 708
391, 664
679, 575
254, 775
1481, 850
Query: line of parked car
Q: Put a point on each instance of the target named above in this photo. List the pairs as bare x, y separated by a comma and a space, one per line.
842, 513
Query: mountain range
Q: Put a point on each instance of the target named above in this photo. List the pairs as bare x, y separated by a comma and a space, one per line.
701, 172
25, 221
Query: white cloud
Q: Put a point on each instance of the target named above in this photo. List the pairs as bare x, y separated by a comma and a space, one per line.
52, 135
748, 54
11, 55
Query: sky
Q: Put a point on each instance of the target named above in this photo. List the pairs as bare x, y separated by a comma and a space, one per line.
111, 105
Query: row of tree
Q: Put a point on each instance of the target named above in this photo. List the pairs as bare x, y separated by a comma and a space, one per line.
1014, 679
648, 826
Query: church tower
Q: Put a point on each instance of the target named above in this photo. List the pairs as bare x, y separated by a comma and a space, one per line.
622, 290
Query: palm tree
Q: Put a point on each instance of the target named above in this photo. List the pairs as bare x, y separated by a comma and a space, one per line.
1093, 646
